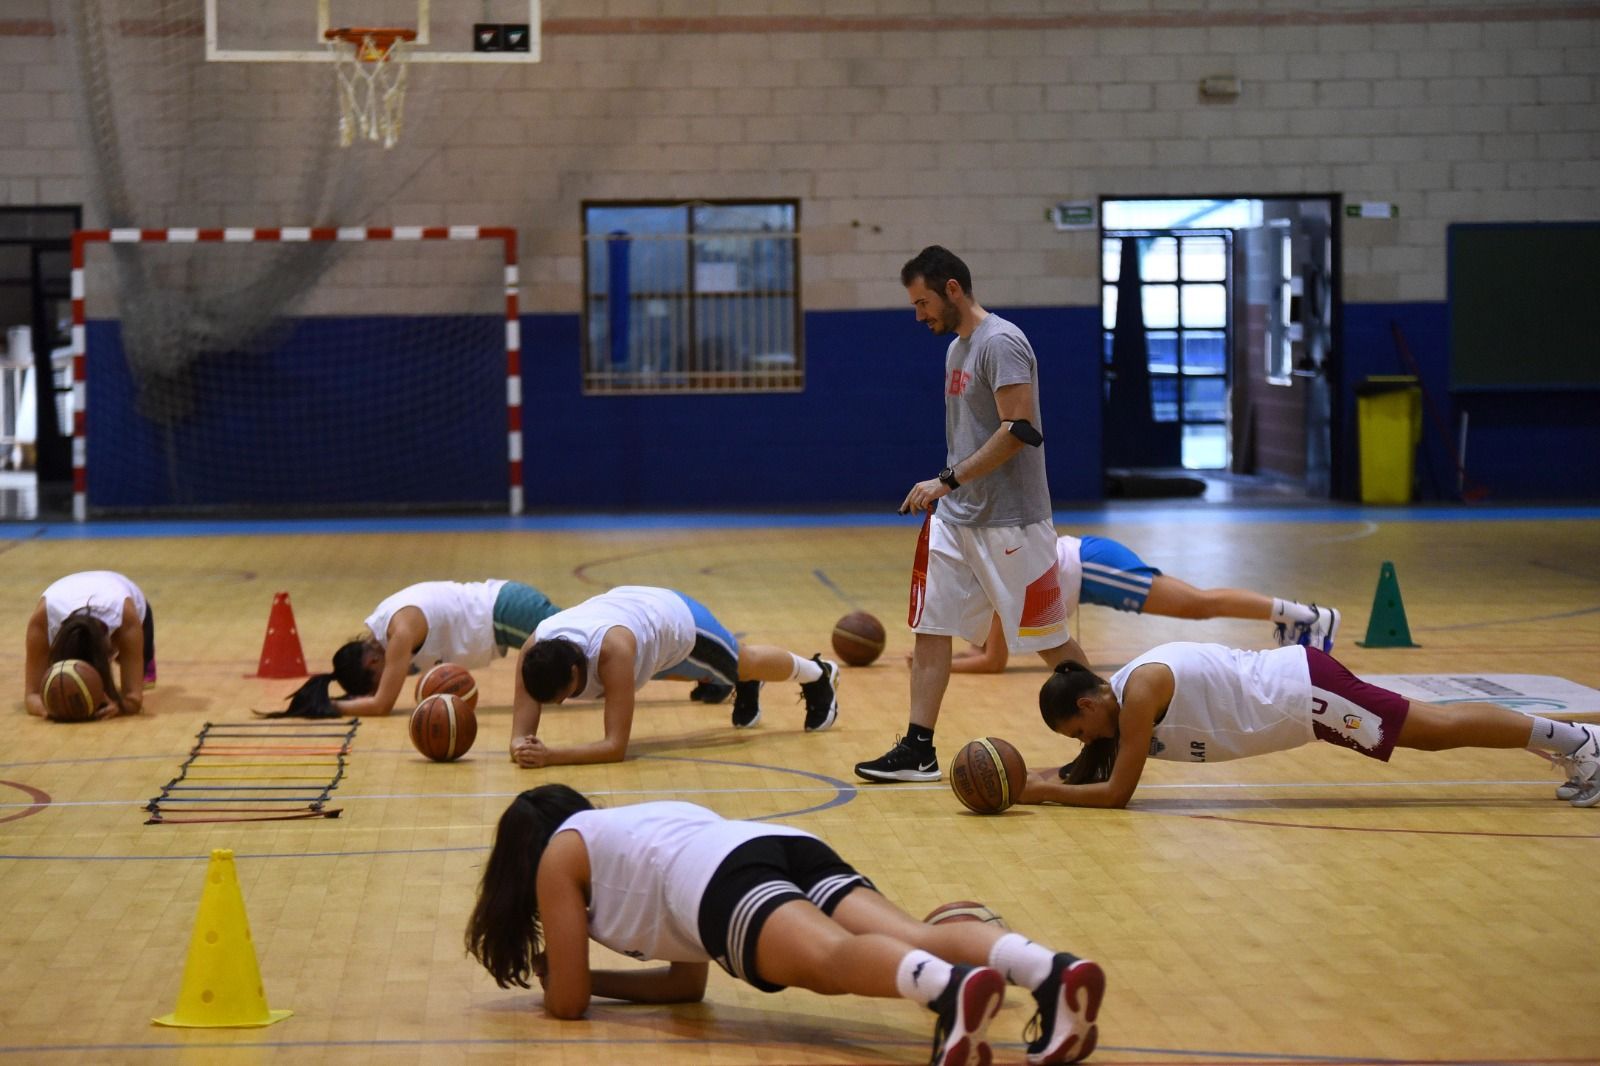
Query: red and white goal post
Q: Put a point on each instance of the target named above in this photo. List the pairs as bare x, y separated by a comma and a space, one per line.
84, 240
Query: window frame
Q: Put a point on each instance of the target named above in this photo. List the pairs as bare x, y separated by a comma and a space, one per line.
589, 299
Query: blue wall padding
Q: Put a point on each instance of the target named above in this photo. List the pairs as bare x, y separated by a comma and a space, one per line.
868, 424
1522, 445
344, 411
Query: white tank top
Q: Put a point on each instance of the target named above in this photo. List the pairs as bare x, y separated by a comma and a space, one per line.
1069, 561
649, 865
102, 591
659, 620
460, 617
1227, 703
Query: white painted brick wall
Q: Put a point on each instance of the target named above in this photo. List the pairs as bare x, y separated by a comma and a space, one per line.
955, 129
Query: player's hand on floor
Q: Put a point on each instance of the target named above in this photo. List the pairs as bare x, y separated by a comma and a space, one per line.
530, 752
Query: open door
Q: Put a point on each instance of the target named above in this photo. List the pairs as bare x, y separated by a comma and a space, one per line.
1220, 327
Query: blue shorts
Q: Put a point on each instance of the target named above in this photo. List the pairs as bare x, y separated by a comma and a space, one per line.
518, 610
1113, 576
715, 656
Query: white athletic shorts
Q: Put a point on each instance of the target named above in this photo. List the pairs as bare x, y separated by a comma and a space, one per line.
963, 575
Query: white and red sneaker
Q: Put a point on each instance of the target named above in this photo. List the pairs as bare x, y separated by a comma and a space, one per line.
965, 1008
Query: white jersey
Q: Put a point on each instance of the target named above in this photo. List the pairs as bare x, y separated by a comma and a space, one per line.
1227, 703
102, 591
1069, 563
659, 620
649, 865
460, 617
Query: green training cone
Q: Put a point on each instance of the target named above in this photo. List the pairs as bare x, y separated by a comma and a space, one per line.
1387, 627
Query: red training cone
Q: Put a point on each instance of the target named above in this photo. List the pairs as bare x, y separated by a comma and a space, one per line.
280, 652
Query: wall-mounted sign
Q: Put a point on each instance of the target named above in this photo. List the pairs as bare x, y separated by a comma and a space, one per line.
1371, 209
1073, 214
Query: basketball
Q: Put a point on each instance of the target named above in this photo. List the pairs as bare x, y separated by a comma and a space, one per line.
452, 680
987, 775
72, 691
858, 638
443, 728
964, 910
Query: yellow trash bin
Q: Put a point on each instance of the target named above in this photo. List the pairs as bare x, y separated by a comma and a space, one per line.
1389, 418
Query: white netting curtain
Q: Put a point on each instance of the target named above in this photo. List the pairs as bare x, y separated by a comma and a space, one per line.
172, 140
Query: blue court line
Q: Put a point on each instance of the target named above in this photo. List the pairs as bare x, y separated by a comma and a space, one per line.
1119, 513
828, 583
843, 792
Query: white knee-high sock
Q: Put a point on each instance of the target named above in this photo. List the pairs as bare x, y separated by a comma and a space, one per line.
1287, 611
1563, 738
805, 670
1024, 963
921, 976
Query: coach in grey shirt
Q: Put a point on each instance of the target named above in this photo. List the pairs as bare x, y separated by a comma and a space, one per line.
988, 545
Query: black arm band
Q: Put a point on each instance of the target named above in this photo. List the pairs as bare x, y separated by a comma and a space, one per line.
1023, 430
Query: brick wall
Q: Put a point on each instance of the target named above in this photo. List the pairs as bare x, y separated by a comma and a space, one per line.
900, 122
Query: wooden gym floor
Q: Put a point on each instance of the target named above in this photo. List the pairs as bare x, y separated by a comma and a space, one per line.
1311, 906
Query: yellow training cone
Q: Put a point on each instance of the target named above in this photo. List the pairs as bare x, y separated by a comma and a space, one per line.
221, 981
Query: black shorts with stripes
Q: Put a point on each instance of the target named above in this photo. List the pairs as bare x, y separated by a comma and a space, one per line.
755, 879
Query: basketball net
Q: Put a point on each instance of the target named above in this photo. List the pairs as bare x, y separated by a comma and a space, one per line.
371, 68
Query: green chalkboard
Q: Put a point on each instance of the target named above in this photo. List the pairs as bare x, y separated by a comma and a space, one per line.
1525, 306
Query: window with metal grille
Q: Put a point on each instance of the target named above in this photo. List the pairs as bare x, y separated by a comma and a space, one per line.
1184, 280
696, 297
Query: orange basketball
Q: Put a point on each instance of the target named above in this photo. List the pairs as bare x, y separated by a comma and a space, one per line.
858, 638
452, 680
443, 728
964, 910
72, 691
988, 775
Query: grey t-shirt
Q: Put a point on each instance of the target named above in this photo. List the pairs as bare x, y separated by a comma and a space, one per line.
1017, 494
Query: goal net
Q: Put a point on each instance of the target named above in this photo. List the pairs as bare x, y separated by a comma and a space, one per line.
389, 380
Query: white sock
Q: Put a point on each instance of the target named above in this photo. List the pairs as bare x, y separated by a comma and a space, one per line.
921, 977
1287, 611
1024, 963
1563, 738
805, 670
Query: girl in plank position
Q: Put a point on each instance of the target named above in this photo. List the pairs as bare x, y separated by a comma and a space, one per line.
1207, 703
771, 905
1107, 573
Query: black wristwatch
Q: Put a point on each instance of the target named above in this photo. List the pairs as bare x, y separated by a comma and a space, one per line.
948, 476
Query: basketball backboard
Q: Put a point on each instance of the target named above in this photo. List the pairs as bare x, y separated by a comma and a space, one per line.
291, 31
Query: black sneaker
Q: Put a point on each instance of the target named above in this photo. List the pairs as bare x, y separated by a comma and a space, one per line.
1069, 1003
965, 1008
747, 703
822, 696
710, 692
902, 763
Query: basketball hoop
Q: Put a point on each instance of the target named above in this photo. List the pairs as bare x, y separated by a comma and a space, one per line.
371, 67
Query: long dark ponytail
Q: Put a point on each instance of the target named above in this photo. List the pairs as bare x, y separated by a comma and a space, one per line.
83, 636
1058, 703
504, 931
313, 700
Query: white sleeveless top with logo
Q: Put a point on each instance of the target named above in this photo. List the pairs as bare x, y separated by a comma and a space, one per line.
1227, 703
1069, 563
659, 620
460, 616
102, 591
649, 865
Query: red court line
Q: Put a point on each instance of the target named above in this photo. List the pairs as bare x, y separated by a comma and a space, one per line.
1386, 829
41, 800
765, 24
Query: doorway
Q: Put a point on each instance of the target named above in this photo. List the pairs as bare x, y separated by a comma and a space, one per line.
36, 357
1220, 326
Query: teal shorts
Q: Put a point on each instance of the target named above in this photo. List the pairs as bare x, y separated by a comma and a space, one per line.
517, 610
